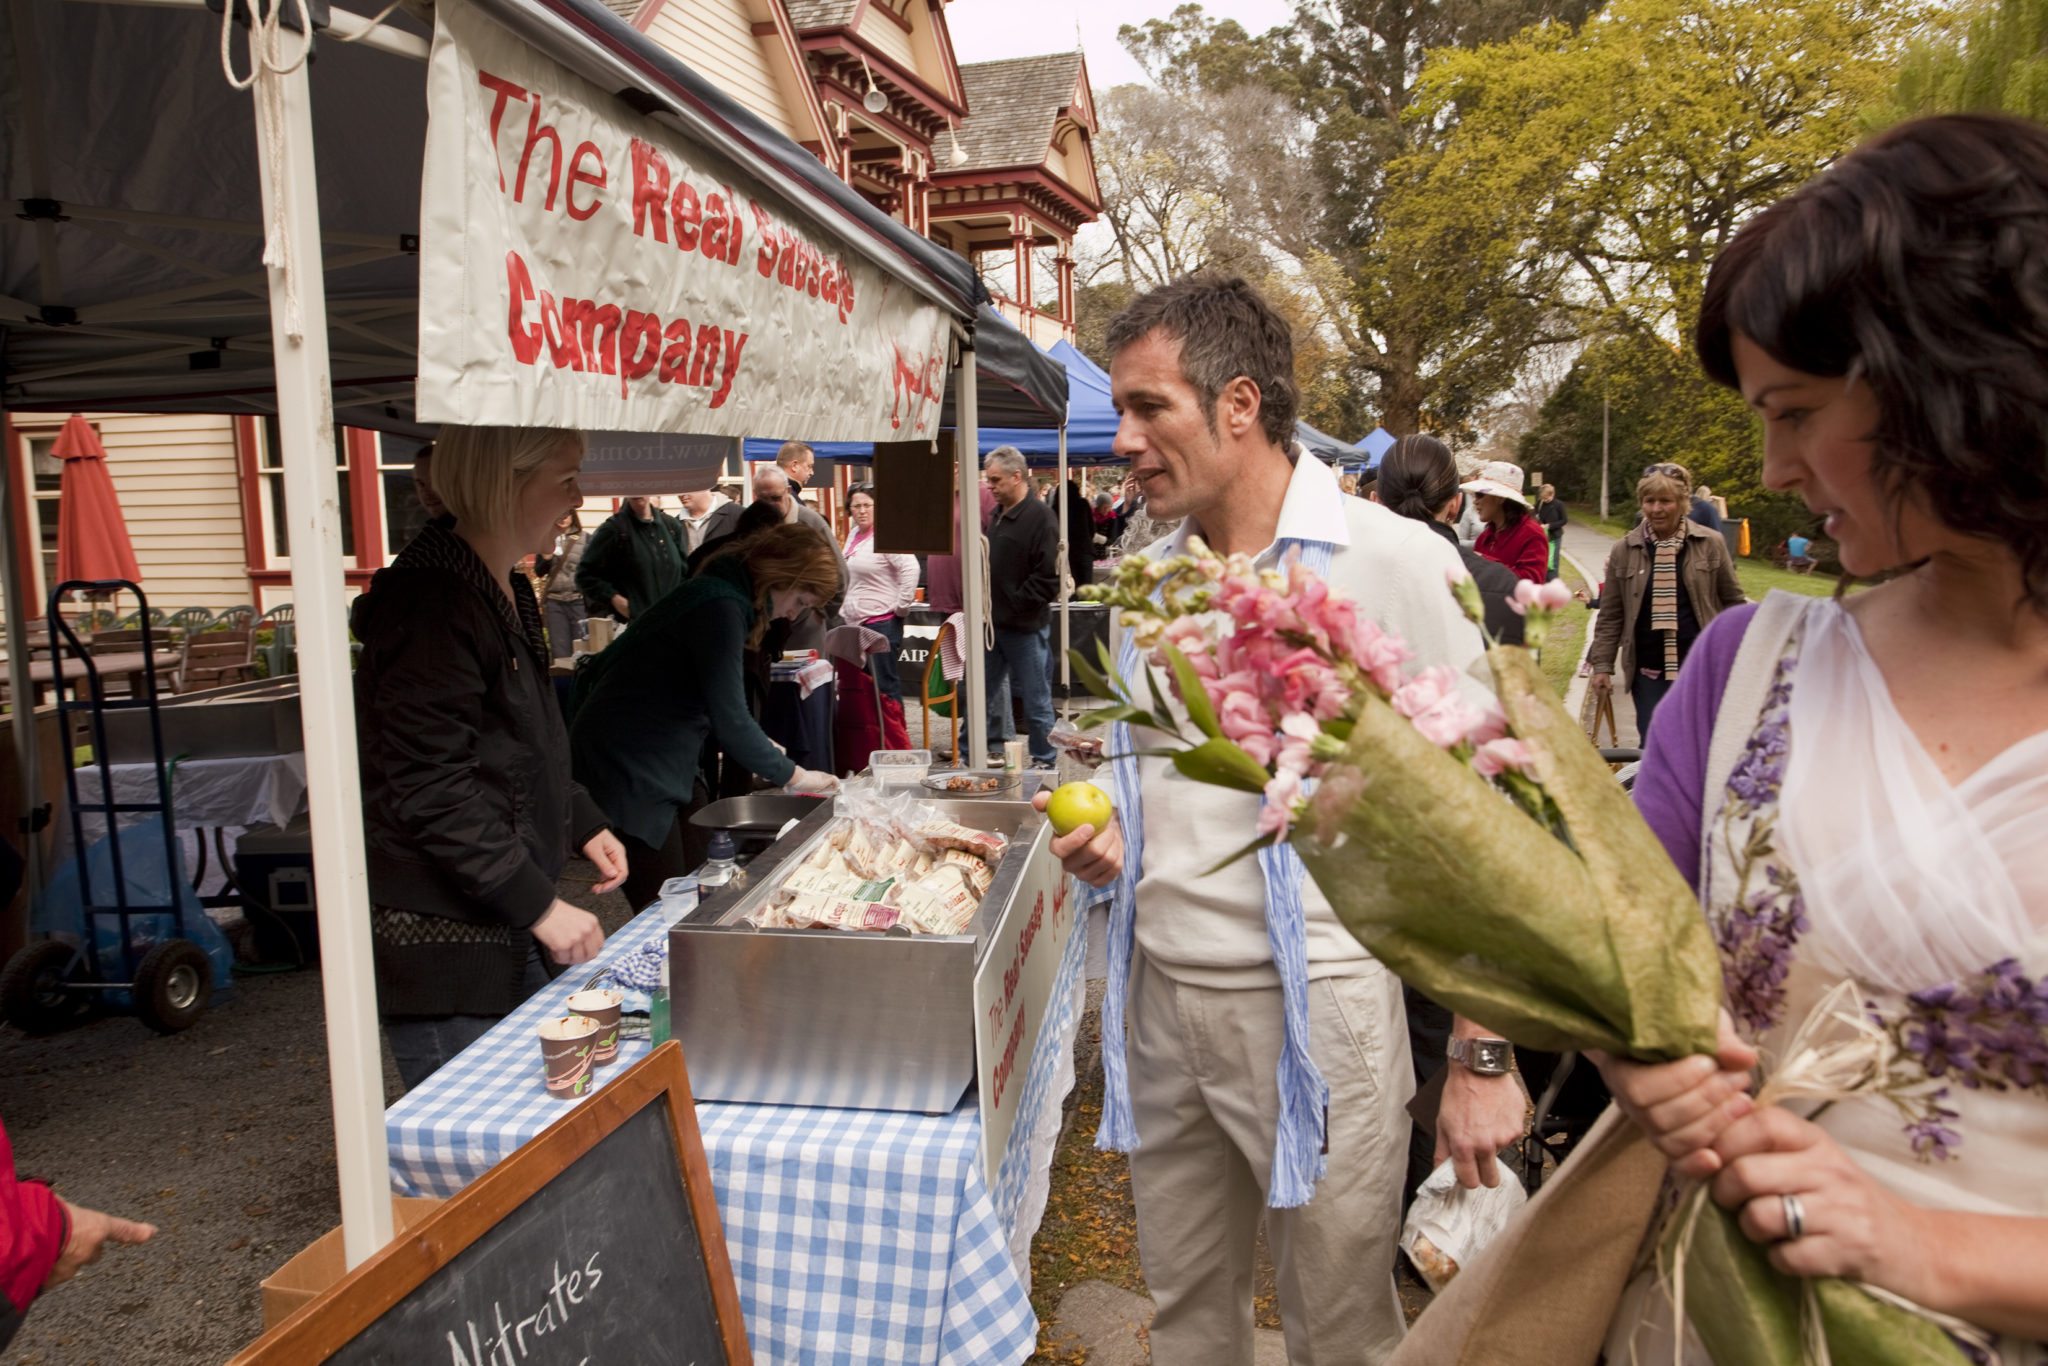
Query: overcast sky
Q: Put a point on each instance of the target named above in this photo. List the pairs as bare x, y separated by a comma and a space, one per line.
984, 30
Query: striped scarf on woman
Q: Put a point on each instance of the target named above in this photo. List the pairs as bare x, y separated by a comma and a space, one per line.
1664, 598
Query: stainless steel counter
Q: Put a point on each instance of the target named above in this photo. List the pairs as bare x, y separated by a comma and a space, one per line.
856, 1020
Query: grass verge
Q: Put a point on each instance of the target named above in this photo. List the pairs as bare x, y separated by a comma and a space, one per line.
1567, 639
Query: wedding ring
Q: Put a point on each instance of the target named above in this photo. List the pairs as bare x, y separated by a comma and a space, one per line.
1795, 1218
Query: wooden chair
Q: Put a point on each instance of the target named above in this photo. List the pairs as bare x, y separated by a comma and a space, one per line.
214, 659
115, 641
947, 702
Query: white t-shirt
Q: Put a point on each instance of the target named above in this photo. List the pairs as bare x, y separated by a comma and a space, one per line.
1209, 929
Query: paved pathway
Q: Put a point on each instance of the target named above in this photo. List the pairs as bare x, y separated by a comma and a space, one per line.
1111, 1327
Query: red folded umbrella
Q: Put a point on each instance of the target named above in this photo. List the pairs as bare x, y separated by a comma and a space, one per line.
92, 536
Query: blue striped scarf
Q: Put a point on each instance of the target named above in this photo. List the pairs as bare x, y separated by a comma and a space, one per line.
1299, 1145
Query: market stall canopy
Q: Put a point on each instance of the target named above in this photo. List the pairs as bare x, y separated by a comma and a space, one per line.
1325, 447
1014, 383
92, 536
131, 275
1091, 417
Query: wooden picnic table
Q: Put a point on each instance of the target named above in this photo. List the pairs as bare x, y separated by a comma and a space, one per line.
128, 664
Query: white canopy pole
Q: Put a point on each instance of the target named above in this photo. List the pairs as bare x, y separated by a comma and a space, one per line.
973, 555
305, 422
23, 692
1067, 587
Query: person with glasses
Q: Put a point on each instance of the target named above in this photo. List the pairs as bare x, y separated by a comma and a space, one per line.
1665, 581
1512, 536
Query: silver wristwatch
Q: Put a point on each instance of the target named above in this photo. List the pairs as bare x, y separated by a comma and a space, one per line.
1483, 1057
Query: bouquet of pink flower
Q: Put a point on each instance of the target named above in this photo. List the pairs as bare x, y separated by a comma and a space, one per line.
1402, 793
1481, 849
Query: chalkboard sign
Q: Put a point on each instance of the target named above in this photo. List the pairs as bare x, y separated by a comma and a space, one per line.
598, 1242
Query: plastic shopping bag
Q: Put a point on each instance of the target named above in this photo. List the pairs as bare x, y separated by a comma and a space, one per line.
1449, 1225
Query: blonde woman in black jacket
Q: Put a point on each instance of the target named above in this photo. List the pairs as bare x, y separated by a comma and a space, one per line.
469, 812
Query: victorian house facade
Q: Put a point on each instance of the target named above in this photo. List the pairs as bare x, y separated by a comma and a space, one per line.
993, 160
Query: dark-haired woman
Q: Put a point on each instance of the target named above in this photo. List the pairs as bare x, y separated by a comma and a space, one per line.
1418, 478
1512, 536
1858, 787
648, 705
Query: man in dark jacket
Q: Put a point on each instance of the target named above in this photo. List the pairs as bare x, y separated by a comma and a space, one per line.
1080, 536
1550, 512
633, 561
1024, 579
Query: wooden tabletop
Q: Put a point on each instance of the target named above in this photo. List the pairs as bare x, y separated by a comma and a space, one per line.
125, 662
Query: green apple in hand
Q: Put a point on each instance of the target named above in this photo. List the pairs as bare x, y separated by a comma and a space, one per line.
1074, 805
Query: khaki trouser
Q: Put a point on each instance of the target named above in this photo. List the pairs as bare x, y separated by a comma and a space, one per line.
1205, 1096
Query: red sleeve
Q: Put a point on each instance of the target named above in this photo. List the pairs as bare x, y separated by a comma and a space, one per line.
1524, 549
33, 1231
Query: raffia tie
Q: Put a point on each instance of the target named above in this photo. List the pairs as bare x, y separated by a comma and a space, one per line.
1837, 1053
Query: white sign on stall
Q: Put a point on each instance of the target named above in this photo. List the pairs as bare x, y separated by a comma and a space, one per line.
583, 267
1012, 988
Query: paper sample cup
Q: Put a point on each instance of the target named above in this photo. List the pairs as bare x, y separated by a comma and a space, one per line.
601, 1005
567, 1043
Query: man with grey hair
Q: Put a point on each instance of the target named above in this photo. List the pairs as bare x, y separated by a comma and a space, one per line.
775, 488
1024, 579
1255, 1055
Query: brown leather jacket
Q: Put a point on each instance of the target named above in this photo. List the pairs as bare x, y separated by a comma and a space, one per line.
1707, 575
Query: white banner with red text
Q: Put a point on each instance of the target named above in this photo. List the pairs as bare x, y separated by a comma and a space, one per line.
583, 266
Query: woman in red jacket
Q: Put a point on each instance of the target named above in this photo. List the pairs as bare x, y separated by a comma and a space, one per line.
45, 1239
1512, 537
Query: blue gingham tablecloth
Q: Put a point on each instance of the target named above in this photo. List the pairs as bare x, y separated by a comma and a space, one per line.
856, 1236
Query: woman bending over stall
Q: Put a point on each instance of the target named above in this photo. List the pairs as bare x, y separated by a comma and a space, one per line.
648, 705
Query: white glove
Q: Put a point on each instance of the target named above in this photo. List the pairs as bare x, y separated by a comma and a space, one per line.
808, 780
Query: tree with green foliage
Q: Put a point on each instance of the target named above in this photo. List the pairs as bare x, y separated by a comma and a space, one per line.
1659, 406
1991, 56
1614, 161
1602, 170
1414, 339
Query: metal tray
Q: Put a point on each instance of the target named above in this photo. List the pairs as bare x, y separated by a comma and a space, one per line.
761, 813
828, 1017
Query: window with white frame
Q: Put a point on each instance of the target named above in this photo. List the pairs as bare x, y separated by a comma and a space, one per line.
45, 480
270, 475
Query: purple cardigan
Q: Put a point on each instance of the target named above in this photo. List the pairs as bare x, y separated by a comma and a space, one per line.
1670, 785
